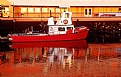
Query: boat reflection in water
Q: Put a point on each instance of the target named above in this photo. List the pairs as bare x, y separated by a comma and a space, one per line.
61, 59
36, 52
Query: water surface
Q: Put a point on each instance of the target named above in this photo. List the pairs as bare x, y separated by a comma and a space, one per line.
61, 59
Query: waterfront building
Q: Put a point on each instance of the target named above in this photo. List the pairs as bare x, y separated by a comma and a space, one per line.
83, 10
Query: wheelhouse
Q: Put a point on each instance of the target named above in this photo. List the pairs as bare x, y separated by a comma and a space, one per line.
63, 24
60, 29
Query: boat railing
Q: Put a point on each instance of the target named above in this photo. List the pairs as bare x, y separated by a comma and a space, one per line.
28, 34
38, 34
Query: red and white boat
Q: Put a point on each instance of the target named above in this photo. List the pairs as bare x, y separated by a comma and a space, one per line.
63, 30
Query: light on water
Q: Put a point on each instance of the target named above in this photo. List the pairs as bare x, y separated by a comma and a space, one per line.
61, 59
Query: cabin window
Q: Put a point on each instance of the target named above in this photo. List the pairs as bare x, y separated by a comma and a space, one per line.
61, 29
66, 15
51, 28
69, 28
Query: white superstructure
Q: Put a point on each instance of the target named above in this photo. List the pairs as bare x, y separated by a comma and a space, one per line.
62, 25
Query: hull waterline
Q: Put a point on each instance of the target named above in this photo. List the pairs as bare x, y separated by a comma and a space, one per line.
63, 44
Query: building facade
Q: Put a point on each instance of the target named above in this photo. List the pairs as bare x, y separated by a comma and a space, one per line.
19, 10
78, 12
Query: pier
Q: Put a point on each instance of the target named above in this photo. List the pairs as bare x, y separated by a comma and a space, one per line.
3, 39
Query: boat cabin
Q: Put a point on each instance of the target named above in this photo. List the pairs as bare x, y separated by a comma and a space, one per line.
64, 23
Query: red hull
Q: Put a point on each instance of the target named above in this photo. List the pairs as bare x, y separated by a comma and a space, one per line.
60, 37
65, 44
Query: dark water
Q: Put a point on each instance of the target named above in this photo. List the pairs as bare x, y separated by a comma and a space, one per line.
61, 59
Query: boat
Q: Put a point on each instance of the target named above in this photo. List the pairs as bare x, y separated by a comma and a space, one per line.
63, 30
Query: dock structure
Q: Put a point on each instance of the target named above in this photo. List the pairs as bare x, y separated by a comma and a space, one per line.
34, 19
3, 39
40, 10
